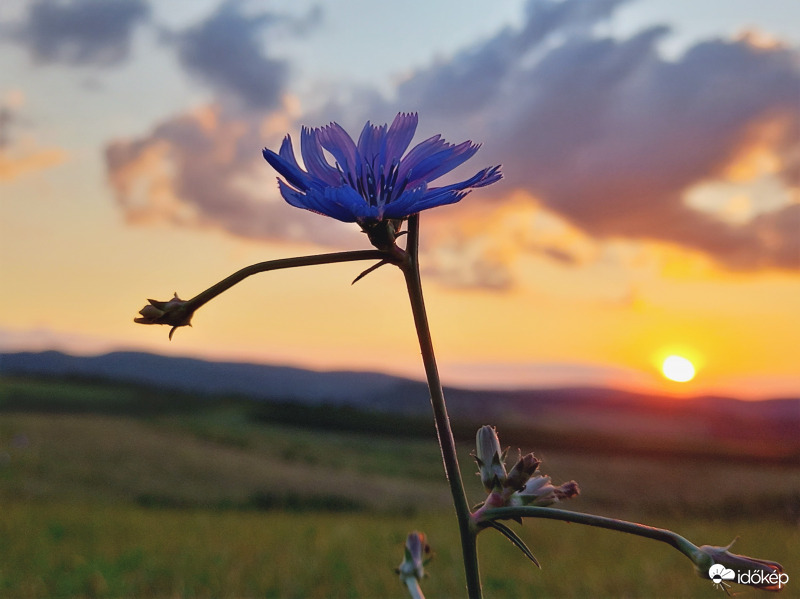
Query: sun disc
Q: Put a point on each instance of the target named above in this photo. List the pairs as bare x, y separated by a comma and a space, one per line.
678, 369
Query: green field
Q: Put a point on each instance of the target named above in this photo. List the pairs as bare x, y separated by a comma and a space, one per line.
116, 491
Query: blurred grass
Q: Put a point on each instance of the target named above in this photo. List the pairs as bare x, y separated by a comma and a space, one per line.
80, 550
115, 491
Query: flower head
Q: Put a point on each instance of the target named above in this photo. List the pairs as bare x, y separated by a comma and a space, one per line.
372, 181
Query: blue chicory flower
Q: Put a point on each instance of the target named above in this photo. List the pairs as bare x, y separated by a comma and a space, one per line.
372, 181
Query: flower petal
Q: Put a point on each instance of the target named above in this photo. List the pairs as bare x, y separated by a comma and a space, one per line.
402, 210
418, 153
440, 196
286, 164
437, 164
406, 205
336, 140
347, 199
314, 159
370, 144
399, 136
319, 201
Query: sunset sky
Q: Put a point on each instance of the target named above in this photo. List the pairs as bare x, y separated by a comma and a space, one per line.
650, 205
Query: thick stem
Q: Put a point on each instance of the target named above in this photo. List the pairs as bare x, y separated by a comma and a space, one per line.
228, 282
446, 442
659, 534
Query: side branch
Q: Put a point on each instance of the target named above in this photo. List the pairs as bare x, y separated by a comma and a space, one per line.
178, 313
659, 534
315, 260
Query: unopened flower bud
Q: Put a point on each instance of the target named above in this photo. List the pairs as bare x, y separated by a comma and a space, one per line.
490, 458
174, 313
762, 574
417, 553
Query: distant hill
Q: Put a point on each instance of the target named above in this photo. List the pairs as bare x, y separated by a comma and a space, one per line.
583, 416
255, 381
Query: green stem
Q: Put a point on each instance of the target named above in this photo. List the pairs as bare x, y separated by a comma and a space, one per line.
228, 282
447, 444
659, 534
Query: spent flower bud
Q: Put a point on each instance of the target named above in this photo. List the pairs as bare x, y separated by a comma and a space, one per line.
539, 491
522, 471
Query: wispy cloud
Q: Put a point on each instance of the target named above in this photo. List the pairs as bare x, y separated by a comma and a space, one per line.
13, 165
21, 154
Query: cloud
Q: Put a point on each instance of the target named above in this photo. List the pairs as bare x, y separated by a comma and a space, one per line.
468, 262
468, 82
80, 32
226, 51
21, 154
13, 165
611, 136
601, 137
204, 169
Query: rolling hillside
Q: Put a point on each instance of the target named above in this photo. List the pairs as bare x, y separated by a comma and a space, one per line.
581, 419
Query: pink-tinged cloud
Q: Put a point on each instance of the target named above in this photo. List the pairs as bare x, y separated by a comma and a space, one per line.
13, 165
21, 155
204, 169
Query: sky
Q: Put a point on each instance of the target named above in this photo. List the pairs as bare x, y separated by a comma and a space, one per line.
650, 203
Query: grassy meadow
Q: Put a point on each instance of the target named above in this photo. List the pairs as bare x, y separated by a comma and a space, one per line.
117, 491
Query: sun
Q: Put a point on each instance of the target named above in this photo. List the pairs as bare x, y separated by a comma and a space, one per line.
678, 369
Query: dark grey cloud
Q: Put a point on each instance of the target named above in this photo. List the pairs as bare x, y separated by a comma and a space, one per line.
610, 135
479, 73
227, 52
80, 32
